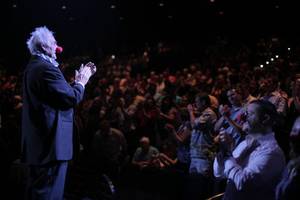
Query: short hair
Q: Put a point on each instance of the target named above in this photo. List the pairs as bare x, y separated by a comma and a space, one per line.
38, 38
202, 96
266, 107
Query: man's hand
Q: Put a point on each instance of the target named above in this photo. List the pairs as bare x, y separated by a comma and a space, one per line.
226, 141
224, 110
85, 72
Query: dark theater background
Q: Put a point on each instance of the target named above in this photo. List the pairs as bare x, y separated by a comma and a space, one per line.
111, 26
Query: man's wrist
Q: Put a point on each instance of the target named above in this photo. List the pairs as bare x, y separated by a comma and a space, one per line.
78, 82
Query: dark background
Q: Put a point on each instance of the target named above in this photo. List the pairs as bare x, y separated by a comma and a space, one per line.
98, 27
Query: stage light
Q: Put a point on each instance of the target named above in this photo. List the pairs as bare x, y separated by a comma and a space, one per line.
112, 6
161, 4
113, 57
277, 56
64, 7
14, 5
289, 49
267, 62
272, 59
261, 66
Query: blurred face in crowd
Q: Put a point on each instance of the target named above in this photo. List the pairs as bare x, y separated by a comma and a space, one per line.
105, 127
267, 85
234, 97
200, 104
145, 144
184, 101
296, 87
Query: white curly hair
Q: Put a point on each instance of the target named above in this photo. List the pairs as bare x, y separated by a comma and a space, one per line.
38, 39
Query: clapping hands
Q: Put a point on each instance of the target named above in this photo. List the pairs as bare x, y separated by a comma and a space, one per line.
85, 72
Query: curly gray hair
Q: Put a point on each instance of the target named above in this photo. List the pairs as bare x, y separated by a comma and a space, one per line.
39, 38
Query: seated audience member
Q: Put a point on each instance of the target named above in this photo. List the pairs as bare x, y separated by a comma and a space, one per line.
254, 167
145, 155
288, 188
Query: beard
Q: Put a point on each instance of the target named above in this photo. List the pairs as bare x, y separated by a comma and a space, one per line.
253, 127
245, 127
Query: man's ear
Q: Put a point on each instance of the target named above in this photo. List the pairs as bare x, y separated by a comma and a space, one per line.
44, 47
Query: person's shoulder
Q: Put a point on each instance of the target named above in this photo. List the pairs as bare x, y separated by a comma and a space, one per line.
138, 150
117, 132
37, 60
153, 149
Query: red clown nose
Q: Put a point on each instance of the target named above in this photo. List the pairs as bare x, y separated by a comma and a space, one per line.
59, 49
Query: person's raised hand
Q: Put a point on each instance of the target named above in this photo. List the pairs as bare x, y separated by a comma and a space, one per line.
85, 72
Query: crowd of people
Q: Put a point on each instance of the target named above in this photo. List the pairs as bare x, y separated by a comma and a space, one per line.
217, 124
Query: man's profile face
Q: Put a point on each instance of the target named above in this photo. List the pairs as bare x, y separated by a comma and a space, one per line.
50, 47
253, 122
200, 104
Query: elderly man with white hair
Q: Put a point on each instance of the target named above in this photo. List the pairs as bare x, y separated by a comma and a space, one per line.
47, 117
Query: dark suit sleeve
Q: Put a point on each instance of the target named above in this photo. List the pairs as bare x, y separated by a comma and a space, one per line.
60, 94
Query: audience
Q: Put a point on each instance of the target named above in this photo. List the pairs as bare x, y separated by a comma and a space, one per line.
137, 101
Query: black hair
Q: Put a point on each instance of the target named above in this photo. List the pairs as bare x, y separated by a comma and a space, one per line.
266, 107
204, 97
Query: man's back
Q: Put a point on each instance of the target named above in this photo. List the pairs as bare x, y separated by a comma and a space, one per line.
47, 117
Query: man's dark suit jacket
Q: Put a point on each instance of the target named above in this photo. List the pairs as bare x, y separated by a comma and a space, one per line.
47, 117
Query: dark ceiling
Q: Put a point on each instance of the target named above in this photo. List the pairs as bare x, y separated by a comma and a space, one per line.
81, 25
